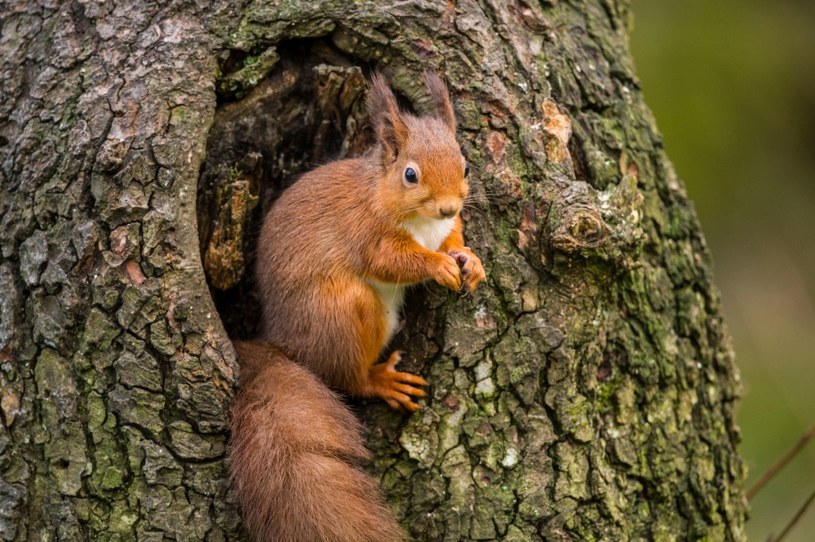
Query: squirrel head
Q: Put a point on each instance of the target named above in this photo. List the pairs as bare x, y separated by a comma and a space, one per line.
424, 173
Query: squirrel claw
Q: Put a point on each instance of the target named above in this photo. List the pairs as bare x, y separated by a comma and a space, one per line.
394, 387
472, 271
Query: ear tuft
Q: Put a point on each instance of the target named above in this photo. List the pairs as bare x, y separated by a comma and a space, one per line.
441, 99
383, 111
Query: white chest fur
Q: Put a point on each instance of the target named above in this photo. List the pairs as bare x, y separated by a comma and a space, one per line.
430, 234
391, 296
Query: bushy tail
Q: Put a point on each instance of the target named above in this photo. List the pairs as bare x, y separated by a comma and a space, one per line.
294, 458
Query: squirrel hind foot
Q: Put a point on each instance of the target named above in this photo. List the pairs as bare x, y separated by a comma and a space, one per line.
394, 387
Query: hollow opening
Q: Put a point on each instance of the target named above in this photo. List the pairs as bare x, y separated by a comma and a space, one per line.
307, 109
280, 113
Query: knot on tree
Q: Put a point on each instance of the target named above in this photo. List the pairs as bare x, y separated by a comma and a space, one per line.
581, 227
597, 224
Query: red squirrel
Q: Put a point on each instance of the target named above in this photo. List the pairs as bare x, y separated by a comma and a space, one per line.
335, 254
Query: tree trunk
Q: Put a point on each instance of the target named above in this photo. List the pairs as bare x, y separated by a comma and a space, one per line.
587, 390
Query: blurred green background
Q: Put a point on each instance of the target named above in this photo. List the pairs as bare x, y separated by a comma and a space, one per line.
732, 86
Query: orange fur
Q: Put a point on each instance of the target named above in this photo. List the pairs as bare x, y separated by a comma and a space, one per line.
294, 458
334, 255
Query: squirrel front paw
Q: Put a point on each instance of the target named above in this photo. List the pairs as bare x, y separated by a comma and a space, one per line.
447, 272
472, 272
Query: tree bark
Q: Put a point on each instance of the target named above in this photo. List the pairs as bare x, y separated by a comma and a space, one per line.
586, 392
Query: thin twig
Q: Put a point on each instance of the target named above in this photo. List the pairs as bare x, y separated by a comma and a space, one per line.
794, 520
781, 463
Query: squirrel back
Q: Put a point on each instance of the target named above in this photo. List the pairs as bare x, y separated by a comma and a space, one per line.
295, 457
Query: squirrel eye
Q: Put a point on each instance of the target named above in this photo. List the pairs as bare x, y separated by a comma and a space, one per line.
410, 176
466, 170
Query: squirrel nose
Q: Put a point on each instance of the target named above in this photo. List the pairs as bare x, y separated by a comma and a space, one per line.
448, 211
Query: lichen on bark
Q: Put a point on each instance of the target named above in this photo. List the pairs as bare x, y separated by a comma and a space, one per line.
585, 392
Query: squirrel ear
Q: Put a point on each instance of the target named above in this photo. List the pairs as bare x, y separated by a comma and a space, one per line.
441, 99
391, 131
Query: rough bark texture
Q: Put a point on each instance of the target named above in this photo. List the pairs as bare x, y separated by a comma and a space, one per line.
586, 392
